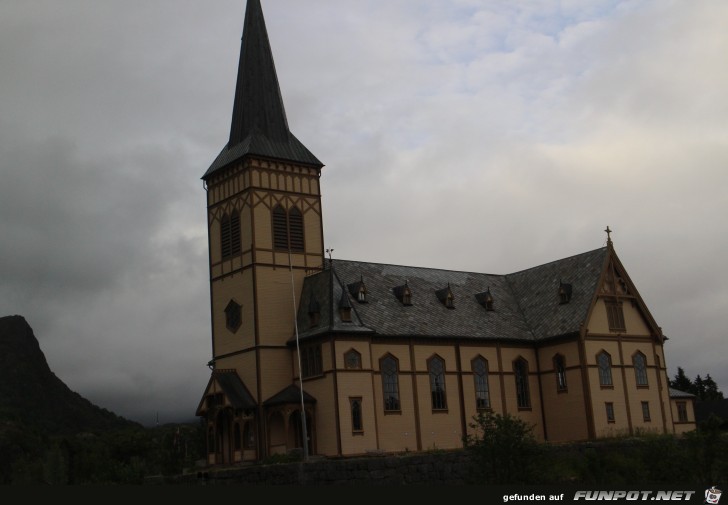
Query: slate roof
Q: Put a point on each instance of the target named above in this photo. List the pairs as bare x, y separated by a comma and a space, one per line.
525, 304
234, 389
289, 394
676, 393
259, 125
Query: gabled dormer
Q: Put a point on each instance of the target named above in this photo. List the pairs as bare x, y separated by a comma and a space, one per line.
344, 306
485, 299
314, 312
403, 293
358, 291
446, 297
564, 293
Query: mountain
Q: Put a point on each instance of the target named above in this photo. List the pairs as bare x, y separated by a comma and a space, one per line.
32, 396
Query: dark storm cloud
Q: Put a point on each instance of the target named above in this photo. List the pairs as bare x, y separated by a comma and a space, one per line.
486, 136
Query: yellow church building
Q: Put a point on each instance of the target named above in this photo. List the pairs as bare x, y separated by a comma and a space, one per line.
390, 358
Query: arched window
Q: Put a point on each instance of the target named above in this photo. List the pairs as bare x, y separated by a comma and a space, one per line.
390, 382
520, 371
295, 229
640, 369
560, 369
604, 361
436, 367
482, 391
280, 228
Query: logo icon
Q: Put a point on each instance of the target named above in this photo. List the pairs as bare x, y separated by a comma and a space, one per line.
712, 495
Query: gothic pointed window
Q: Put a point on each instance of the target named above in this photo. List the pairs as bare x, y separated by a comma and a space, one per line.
280, 228
604, 362
520, 372
436, 368
482, 391
295, 229
390, 382
640, 369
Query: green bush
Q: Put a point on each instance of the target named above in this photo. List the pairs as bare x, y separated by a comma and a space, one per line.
504, 448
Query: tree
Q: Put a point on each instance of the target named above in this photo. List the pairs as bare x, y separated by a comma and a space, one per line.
504, 447
681, 381
705, 389
711, 389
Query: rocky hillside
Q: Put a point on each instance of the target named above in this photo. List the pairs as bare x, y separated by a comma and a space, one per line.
32, 396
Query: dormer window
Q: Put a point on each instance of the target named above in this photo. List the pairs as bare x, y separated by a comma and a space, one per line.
344, 306
314, 312
403, 294
359, 291
564, 293
485, 299
446, 297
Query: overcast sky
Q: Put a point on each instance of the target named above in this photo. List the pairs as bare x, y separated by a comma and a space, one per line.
477, 135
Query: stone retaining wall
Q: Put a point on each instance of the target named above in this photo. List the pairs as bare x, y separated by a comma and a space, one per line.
437, 468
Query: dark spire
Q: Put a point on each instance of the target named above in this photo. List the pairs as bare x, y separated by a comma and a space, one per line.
259, 125
258, 101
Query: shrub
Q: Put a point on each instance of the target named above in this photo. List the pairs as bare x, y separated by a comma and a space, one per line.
504, 448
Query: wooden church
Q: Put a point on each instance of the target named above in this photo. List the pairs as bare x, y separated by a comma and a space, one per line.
390, 358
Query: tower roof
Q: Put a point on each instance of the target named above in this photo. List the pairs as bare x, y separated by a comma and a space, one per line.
259, 125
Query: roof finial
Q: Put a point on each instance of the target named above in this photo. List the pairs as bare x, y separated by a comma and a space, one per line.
609, 237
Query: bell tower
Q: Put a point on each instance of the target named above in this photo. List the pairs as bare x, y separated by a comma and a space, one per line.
264, 226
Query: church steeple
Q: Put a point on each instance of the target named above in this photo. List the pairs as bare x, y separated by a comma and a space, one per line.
259, 125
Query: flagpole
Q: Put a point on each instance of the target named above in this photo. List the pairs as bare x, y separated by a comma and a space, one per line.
298, 352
